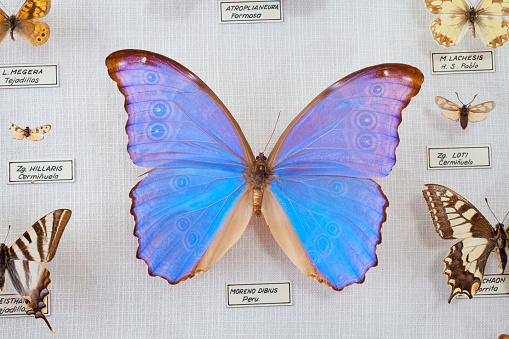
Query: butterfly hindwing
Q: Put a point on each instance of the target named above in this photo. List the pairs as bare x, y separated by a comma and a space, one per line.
187, 219
35, 32
464, 265
31, 281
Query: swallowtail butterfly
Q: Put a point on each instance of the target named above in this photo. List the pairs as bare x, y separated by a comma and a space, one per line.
455, 217
38, 244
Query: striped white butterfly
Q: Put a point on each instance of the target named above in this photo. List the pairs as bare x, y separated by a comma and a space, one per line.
38, 244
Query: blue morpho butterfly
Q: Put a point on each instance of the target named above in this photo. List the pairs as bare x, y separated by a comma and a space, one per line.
318, 199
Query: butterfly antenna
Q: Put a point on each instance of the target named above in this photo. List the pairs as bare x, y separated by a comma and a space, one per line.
8, 231
274, 130
472, 100
492, 211
459, 98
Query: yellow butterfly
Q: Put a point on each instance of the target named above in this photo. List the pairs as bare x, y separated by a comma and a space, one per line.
456, 16
35, 32
465, 112
20, 133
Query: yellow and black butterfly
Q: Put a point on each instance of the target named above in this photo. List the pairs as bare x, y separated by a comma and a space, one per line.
25, 23
466, 112
34, 133
38, 244
456, 16
455, 217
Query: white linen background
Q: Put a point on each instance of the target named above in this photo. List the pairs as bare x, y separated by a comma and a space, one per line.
100, 290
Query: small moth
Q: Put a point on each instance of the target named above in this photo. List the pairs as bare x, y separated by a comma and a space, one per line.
34, 133
465, 112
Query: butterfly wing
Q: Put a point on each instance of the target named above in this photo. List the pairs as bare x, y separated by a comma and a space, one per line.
35, 132
320, 206
34, 9
452, 110
35, 32
40, 242
450, 27
31, 281
195, 204
4, 25
454, 217
18, 132
492, 30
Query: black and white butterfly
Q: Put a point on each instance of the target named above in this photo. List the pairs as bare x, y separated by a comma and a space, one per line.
38, 244
455, 217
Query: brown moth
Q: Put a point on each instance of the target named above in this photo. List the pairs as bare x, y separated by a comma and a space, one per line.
34, 133
466, 112
455, 217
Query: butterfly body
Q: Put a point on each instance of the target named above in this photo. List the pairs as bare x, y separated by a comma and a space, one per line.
456, 16
38, 244
25, 23
259, 179
314, 189
464, 113
454, 217
33, 134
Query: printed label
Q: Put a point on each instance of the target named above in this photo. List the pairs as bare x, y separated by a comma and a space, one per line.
277, 293
462, 62
12, 305
493, 285
241, 12
29, 76
33, 171
454, 157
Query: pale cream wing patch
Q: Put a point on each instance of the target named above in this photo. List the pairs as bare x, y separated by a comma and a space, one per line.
453, 216
35, 32
492, 30
494, 7
40, 242
18, 132
35, 132
451, 115
448, 30
230, 232
446, 6
464, 265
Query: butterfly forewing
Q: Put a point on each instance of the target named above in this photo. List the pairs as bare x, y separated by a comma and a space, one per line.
40, 242
34, 9
453, 216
